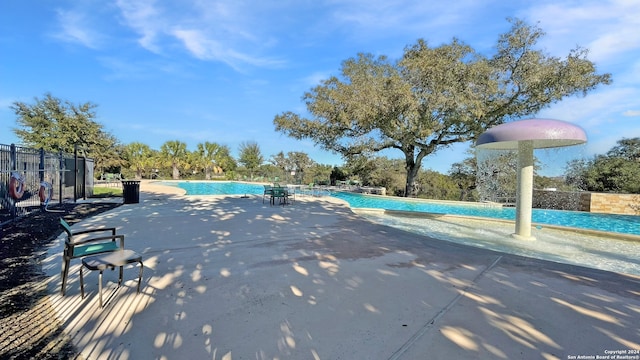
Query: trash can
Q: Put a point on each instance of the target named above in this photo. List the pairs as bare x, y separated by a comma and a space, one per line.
131, 191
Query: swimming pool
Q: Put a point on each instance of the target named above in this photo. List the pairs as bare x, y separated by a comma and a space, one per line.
625, 224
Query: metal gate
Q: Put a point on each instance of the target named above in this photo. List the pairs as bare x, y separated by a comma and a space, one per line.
22, 171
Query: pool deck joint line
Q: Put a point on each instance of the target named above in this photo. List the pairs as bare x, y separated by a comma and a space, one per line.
431, 323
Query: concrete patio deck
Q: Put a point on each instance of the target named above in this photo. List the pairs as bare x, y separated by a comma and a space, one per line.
233, 278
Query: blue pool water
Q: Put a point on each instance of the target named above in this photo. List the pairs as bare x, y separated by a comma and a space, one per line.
626, 224
217, 188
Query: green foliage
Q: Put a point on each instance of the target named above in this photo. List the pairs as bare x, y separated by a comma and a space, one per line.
175, 161
301, 163
318, 174
212, 158
606, 174
627, 149
338, 174
296, 167
102, 192
138, 158
545, 182
57, 125
174, 153
617, 171
250, 156
379, 172
267, 172
280, 162
463, 174
434, 97
434, 185
613, 174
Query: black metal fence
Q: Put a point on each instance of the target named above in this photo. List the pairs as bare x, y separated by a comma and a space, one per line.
23, 171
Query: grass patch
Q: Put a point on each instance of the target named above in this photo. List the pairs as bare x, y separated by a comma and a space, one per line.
103, 192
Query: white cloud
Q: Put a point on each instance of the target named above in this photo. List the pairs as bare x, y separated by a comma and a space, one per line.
400, 15
76, 28
204, 47
607, 28
144, 18
199, 46
438, 22
220, 31
593, 106
603, 114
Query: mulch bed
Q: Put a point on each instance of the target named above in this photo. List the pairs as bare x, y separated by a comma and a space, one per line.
27, 324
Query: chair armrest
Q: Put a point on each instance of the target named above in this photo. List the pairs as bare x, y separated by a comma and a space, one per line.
112, 229
98, 239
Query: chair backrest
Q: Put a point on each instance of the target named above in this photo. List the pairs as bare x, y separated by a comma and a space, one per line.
66, 227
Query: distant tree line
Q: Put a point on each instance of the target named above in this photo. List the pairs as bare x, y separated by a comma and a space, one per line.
616, 171
59, 125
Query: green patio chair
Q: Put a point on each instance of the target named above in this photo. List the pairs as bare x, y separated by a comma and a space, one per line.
268, 191
281, 194
78, 245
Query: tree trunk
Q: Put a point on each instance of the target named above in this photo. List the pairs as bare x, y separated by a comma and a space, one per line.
176, 173
412, 173
413, 167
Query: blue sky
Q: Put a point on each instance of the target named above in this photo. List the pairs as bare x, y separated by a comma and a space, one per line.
219, 71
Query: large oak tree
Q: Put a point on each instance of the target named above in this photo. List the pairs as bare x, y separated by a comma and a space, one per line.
436, 96
59, 125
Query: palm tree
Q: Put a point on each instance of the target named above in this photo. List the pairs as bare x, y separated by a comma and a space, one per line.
138, 157
206, 157
174, 153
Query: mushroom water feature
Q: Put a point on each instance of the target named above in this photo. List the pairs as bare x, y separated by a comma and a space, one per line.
525, 136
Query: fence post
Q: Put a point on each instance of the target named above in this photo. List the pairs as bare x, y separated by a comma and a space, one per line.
84, 177
75, 172
41, 176
41, 166
62, 179
12, 158
13, 164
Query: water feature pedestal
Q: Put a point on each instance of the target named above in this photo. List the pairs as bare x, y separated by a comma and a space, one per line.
525, 136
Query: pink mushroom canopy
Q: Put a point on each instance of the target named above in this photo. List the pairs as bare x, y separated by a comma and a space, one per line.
545, 133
